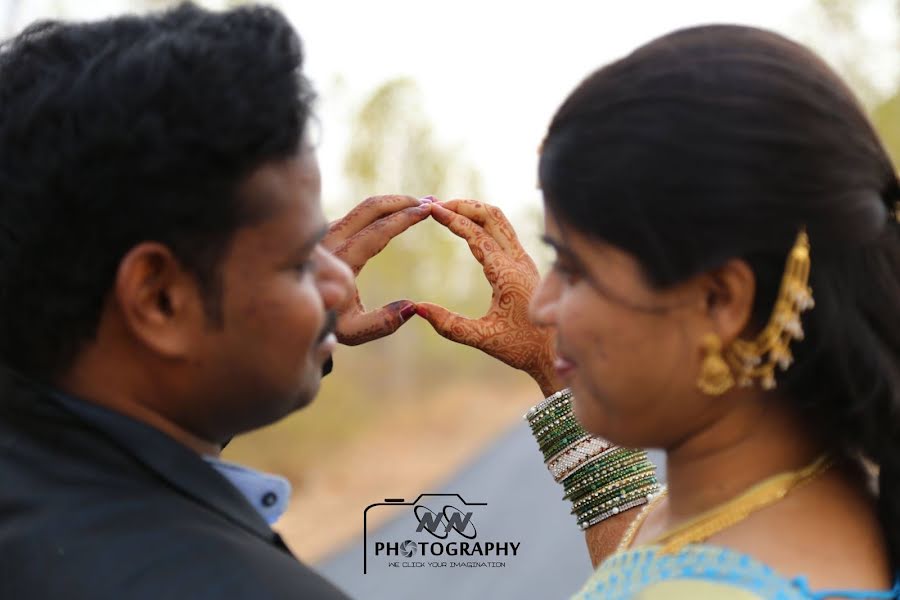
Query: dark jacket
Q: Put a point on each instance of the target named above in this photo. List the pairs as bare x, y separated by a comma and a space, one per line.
94, 505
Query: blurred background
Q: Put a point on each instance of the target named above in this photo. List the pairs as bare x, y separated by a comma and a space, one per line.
451, 99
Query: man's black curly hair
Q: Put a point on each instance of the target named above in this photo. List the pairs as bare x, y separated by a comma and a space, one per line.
126, 130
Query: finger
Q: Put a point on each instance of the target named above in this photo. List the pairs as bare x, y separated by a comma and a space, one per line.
365, 327
367, 212
492, 220
450, 325
483, 246
357, 250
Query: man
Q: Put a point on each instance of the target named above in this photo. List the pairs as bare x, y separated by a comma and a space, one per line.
167, 281
164, 286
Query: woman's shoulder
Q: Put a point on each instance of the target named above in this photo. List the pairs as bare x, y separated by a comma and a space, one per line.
699, 572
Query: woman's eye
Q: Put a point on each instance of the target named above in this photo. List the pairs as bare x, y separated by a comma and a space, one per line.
566, 271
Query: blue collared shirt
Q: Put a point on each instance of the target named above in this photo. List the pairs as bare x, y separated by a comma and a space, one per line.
268, 494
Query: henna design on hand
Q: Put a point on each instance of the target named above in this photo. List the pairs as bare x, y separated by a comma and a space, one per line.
355, 239
506, 332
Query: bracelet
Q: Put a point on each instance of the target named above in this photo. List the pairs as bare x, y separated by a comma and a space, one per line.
644, 472
595, 476
599, 478
569, 460
556, 398
614, 511
633, 493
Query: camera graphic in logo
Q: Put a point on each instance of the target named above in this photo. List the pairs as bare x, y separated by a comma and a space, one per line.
437, 522
409, 548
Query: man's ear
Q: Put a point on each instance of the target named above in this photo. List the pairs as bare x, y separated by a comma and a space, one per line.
729, 293
159, 300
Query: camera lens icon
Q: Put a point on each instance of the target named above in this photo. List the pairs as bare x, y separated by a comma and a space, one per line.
408, 548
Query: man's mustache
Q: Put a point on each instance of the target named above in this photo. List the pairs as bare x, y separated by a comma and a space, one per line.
330, 325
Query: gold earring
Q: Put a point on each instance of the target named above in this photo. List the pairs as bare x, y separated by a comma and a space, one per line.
756, 359
715, 375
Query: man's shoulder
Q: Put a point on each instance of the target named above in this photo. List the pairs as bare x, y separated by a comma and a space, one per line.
198, 567
150, 545
84, 514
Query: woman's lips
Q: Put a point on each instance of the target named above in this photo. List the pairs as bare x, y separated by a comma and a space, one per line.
563, 366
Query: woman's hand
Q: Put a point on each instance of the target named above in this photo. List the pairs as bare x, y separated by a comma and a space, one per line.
358, 237
505, 332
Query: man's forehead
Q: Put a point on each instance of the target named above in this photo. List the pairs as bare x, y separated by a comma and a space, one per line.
287, 184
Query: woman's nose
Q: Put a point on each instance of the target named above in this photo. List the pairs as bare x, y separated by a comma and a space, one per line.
542, 308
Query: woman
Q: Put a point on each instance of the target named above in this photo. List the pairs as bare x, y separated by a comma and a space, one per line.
726, 288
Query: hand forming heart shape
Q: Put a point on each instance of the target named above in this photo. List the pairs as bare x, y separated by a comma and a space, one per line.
505, 332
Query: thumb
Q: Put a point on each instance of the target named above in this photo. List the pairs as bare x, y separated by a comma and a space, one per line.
450, 325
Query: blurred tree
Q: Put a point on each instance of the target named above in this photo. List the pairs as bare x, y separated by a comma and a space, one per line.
887, 120
394, 149
838, 34
842, 19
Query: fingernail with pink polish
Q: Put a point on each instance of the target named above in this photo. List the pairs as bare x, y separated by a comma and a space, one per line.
427, 199
407, 313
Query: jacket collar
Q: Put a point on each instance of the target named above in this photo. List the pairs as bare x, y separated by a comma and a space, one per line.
178, 466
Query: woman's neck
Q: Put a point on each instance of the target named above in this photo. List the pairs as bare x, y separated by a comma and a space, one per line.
759, 438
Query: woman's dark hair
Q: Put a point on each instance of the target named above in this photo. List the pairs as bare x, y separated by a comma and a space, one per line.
131, 129
722, 141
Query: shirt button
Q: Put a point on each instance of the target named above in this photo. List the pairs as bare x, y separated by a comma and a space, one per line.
269, 499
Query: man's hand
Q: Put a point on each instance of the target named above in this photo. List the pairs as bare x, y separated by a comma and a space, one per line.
356, 238
505, 332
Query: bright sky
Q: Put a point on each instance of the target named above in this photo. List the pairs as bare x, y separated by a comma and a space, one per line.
493, 72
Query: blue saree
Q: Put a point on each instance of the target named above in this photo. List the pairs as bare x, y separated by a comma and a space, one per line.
700, 572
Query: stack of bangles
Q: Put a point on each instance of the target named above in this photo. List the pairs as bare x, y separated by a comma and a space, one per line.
600, 479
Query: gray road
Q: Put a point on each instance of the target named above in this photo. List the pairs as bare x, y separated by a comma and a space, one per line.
523, 505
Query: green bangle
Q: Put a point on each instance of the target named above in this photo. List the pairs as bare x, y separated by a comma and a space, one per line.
548, 417
611, 494
594, 486
603, 469
613, 487
627, 496
606, 467
555, 430
557, 444
600, 479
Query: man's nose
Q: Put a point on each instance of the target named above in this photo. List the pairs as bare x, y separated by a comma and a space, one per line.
337, 281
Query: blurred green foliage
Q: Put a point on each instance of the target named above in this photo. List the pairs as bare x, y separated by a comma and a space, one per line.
394, 150
842, 19
886, 117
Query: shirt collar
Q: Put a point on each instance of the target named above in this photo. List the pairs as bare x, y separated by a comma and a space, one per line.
268, 494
